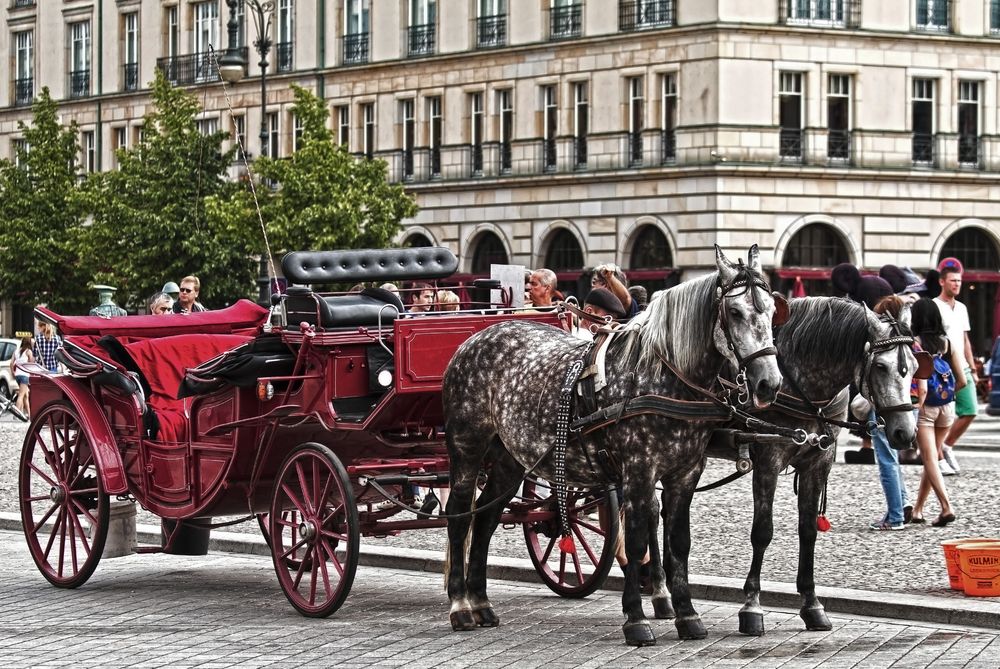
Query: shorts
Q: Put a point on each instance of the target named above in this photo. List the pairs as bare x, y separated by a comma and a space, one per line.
22, 379
942, 416
966, 403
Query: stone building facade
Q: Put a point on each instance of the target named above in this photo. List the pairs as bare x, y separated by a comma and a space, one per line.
565, 134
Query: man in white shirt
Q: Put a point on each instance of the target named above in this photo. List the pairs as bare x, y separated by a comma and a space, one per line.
956, 325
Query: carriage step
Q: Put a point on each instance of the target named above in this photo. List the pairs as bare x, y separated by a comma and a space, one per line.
402, 479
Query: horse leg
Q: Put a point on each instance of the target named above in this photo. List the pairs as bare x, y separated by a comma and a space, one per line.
812, 481
765, 480
465, 461
637, 509
662, 608
677, 547
505, 473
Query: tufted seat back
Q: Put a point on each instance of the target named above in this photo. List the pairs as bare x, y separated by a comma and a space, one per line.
322, 267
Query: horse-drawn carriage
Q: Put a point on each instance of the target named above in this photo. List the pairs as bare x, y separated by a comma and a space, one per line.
309, 416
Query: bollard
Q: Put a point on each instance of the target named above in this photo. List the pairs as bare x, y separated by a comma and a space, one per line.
121, 530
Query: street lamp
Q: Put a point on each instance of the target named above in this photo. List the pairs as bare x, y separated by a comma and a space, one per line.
232, 65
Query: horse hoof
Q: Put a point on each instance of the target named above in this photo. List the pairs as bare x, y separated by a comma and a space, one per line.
816, 620
639, 634
462, 621
486, 618
751, 623
690, 628
662, 608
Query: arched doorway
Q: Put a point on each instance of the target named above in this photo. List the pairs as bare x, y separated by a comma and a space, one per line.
565, 257
809, 256
417, 239
651, 263
981, 261
488, 250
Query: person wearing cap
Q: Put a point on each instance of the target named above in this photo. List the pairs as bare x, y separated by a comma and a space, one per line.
172, 289
956, 325
602, 302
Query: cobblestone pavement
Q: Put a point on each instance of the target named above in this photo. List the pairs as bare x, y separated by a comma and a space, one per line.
226, 610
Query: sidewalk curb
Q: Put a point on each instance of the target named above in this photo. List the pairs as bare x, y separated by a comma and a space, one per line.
953, 610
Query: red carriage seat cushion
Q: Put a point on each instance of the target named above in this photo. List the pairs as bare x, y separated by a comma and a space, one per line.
163, 362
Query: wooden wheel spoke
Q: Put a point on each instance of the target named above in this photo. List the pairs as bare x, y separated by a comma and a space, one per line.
82, 470
42, 475
323, 494
313, 573
62, 539
83, 532
582, 540
82, 509
299, 573
55, 530
296, 546
303, 487
291, 496
72, 525
38, 525
321, 548
548, 550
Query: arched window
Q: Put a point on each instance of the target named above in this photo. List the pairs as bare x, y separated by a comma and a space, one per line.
488, 251
815, 245
417, 240
650, 250
974, 248
564, 252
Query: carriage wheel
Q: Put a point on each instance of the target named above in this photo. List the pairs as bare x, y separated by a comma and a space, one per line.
290, 518
314, 531
593, 520
64, 509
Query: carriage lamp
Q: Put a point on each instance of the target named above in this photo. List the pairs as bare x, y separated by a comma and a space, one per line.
232, 65
385, 378
265, 390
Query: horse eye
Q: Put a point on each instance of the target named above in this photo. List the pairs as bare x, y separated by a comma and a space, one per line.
881, 366
735, 313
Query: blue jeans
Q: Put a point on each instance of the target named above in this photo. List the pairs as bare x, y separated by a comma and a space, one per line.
890, 474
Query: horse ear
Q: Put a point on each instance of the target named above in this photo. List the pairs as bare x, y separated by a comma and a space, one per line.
906, 316
722, 262
753, 258
780, 310
925, 365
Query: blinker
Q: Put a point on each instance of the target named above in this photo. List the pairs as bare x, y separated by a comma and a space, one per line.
780, 310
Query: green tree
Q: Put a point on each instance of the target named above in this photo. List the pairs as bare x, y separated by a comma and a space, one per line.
41, 215
325, 198
156, 218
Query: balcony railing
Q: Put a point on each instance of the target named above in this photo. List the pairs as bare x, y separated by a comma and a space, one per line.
580, 152
634, 149
130, 77
420, 40
566, 21
668, 146
934, 16
505, 157
549, 154
356, 49
969, 151
193, 68
284, 56
79, 83
491, 31
24, 91
643, 14
23, 3
838, 145
790, 143
923, 148
832, 13
477, 159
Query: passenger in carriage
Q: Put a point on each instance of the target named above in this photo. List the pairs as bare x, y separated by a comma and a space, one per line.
160, 304
421, 297
542, 288
602, 303
448, 301
187, 300
612, 277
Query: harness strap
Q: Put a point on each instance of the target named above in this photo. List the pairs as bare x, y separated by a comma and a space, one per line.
559, 450
655, 405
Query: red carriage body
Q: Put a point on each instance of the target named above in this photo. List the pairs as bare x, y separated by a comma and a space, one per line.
306, 424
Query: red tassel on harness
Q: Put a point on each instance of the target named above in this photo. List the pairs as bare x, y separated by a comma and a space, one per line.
567, 545
822, 524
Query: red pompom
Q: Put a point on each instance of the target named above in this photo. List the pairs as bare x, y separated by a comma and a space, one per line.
822, 524
567, 545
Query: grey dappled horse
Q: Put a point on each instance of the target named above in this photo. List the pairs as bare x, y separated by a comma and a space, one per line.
826, 344
501, 395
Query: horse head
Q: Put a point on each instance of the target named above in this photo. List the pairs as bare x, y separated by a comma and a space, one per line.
885, 375
743, 330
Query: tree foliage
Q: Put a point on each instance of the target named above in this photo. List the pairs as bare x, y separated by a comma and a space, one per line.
325, 198
41, 215
156, 218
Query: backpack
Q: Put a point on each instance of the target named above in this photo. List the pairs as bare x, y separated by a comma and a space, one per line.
941, 384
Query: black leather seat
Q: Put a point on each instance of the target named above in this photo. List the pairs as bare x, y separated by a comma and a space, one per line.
371, 306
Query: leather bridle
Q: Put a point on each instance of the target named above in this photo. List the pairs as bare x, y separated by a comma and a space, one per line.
897, 340
748, 281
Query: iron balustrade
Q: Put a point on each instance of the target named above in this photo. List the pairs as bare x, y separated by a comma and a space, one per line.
549, 154
24, 91
505, 155
923, 148
435, 152
79, 83
580, 152
933, 15
565, 21
969, 150
407, 166
193, 68
634, 148
641, 14
832, 13
23, 3
284, 56
130, 76
668, 146
356, 49
491, 31
420, 40
477, 159
790, 143
838, 144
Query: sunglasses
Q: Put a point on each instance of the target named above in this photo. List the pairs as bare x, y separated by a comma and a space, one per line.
187, 290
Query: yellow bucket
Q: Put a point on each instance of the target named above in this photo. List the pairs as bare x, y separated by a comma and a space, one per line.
980, 567
950, 547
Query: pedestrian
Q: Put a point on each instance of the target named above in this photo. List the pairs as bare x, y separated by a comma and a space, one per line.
956, 324
160, 304
187, 297
46, 344
22, 356
935, 409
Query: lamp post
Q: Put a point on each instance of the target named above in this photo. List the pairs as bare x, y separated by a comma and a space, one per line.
232, 64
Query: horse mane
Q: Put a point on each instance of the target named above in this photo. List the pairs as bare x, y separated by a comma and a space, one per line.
827, 330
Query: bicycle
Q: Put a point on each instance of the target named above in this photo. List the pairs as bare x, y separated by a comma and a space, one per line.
7, 404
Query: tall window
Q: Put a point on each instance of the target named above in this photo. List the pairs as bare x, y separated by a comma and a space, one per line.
273, 135
130, 46
208, 126
356, 26
923, 121
933, 15
423, 22
206, 33
838, 117
550, 125
995, 17
668, 117
505, 106
24, 67
240, 135
581, 123
343, 116
173, 32
298, 130
119, 142
491, 24
816, 11
284, 47
435, 130
643, 14
408, 126
476, 131
79, 84
968, 123
565, 19
88, 144
368, 133
19, 149
636, 118
790, 115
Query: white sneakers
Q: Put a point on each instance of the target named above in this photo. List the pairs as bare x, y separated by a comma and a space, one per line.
949, 457
945, 468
